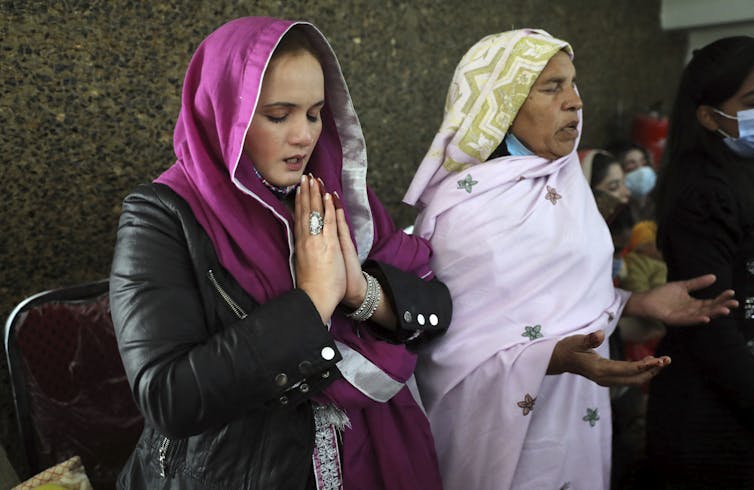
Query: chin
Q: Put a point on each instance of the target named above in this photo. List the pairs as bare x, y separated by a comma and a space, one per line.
288, 182
286, 179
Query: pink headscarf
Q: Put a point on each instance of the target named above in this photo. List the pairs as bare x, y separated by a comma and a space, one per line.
252, 230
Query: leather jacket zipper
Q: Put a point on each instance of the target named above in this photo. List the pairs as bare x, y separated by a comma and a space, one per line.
232, 304
163, 452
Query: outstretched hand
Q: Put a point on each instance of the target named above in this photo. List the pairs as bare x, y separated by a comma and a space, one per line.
672, 304
576, 354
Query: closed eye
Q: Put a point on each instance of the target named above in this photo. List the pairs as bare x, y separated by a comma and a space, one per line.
314, 111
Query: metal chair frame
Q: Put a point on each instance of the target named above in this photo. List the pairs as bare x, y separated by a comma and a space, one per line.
73, 294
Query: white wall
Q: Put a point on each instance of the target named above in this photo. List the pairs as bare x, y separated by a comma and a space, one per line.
708, 20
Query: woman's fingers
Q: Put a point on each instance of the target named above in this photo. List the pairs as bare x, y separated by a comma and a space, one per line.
718, 306
298, 209
330, 230
616, 373
321, 201
320, 271
315, 196
699, 282
344, 233
309, 200
727, 300
595, 339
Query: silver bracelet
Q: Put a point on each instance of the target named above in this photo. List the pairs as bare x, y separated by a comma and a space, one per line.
371, 300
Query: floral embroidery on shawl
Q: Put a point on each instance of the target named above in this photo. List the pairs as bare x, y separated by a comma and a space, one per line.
527, 404
533, 332
467, 183
591, 416
552, 195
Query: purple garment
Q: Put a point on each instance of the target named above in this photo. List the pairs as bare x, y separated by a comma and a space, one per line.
389, 444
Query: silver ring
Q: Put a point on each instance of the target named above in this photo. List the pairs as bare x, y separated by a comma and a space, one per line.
316, 223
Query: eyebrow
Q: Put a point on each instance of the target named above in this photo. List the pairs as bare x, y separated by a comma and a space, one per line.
559, 80
291, 104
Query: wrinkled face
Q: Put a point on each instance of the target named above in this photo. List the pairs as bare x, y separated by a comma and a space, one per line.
547, 122
633, 159
286, 124
614, 183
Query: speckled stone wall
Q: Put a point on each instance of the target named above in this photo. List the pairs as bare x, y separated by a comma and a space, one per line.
89, 92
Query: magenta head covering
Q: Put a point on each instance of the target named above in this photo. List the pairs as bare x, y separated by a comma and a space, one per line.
252, 230
214, 175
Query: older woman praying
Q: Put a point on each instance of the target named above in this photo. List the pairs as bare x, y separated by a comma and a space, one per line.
518, 239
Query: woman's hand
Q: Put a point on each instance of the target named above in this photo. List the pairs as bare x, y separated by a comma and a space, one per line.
576, 354
672, 304
356, 284
320, 270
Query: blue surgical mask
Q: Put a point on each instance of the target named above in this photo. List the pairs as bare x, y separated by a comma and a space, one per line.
617, 267
742, 146
641, 181
515, 147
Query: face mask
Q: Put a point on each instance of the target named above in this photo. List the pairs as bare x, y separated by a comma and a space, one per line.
641, 181
617, 267
742, 146
515, 147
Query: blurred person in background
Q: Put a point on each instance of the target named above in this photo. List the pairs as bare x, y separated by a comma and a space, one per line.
701, 411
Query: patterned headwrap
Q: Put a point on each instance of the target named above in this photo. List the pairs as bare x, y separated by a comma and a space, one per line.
491, 84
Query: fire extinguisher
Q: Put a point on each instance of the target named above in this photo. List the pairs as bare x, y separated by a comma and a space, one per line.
651, 131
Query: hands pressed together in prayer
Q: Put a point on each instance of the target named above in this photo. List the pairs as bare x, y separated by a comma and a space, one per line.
327, 264
669, 303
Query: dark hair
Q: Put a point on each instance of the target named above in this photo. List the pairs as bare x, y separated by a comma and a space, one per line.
601, 163
620, 223
714, 74
295, 41
621, 148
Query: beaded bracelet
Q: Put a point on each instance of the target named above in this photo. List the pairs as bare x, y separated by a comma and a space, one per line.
371, 300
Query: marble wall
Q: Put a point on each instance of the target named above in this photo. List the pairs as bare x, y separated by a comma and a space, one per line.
89, 92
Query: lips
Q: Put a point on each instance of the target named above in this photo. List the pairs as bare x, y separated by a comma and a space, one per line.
295, 162
572, 128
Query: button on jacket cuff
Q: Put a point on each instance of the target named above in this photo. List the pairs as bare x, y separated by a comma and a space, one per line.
292, 343
419, 305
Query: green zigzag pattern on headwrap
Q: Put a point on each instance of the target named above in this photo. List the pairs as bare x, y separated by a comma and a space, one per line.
489, 87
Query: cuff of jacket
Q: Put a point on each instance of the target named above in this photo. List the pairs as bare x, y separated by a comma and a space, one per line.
296, 349
421, 307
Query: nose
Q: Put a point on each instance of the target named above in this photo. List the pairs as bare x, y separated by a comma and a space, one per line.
572, 101
626, 190
302, 133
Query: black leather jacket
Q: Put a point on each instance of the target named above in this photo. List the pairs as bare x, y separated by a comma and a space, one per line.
223, 383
